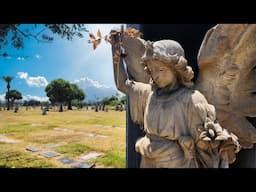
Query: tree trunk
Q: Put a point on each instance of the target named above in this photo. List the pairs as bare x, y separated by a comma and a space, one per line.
12, 104
61, 108
69, 105
8, 99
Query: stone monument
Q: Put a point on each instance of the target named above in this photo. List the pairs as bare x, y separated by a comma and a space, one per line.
181, 129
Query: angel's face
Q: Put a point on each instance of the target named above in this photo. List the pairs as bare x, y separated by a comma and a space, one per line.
161, 73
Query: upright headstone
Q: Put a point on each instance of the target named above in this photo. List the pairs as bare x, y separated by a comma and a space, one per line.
16, 108
44, 110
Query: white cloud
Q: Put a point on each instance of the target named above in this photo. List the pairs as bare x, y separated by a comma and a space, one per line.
27, 98
22, 75
37, 98
2, 97
90, 82
38, 81
38, 56
20, 58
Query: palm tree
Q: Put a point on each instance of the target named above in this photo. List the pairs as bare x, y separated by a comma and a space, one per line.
8, 80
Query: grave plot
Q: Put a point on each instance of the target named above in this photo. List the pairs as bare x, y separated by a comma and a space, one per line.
49, 154
91, 155
51, 146
84, 165
4, 139
32, 149
65, 161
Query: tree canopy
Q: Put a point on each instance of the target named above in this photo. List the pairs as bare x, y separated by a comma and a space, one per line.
13, 95
8, 80
58, 90
61, 91
13, 35
75, 93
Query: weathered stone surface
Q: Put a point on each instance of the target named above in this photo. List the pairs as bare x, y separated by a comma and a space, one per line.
32, 149
50, 154
5, 139
84, 165
180, 125
51, 146
227, 77
65, 160
91, 155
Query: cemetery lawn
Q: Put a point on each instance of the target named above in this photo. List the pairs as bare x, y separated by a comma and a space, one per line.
70, 134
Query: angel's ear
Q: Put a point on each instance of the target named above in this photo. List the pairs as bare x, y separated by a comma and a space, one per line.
135, 49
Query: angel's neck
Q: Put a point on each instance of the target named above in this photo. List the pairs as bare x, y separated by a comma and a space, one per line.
168, 89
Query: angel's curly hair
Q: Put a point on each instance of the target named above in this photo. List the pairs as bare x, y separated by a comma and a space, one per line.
172, 54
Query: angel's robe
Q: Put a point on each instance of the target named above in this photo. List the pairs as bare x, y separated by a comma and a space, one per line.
172, 122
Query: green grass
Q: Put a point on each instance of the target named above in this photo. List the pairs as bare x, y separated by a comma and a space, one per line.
73, 149
111, 159
15, 158
24, 128
101, 121
74, 126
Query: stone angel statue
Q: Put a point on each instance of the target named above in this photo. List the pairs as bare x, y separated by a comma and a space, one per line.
181, 127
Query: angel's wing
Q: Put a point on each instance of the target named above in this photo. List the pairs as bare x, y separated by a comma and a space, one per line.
226, 61
135, 48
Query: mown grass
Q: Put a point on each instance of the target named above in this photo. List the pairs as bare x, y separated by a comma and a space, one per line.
30, 128
103, 121
73, 149
15, 128
12, 157
111, 159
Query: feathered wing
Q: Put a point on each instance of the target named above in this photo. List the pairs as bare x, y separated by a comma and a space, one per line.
226, 61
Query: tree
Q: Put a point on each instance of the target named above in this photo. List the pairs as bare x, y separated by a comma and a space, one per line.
62, 91
75, 93
112, 101
123, 99
105, 101
58, 91
13, 95
32, 102
12, 34
8, 80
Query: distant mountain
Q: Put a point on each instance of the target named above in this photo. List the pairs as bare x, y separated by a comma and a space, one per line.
95, 90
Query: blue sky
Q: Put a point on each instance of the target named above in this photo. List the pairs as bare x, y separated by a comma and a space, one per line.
70, 60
